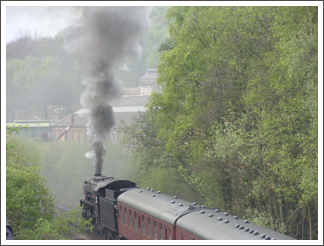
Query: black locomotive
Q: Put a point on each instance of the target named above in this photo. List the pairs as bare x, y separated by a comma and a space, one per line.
144, 214
101, 195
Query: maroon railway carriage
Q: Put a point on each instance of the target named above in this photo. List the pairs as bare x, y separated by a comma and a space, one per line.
148, 215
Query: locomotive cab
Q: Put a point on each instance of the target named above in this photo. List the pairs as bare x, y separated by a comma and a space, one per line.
101, 195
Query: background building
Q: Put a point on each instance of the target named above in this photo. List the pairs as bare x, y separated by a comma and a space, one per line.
34, 127
149, 79
73, 127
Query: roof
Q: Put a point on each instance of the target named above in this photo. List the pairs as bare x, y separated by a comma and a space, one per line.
33, 121
125, 108
151, 75
207, 226
159, 205
28, 124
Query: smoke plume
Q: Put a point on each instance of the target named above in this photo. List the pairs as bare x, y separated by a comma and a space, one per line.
110, 36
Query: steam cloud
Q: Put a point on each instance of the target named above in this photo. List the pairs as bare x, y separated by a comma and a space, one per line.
110, 37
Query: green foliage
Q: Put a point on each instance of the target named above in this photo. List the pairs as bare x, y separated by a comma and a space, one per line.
22, 152
158, 32
63, 226
262, 219
40, 83
154, 166
29, 202
13, 129
237, 116
236, 124
27, 198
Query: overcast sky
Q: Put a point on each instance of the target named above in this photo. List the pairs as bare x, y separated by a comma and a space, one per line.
48, 20
43, 20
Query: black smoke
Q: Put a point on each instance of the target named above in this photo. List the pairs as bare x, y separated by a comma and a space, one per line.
109, 38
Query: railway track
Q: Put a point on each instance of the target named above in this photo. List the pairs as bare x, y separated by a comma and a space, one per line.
60, 208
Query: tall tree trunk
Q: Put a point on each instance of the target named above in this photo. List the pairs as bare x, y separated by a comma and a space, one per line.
310, 224
280, 210
303, 223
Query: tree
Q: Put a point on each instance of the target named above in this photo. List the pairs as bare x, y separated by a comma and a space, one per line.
27, 198
41, 80
41, 85
287, 118
29, 202
158, 32
237, 116
155, 167
27, 44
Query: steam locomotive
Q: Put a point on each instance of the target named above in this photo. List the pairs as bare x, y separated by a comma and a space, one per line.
145, 214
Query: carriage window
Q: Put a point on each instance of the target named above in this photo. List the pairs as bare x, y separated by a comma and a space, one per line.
130, 219
161, 231
154, 230
188, 237
121, 214
169, 233
149, 227
125, 220
143, 224
135, 220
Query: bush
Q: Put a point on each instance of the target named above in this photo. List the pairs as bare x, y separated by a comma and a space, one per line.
29, 203
27, 198
62, 226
